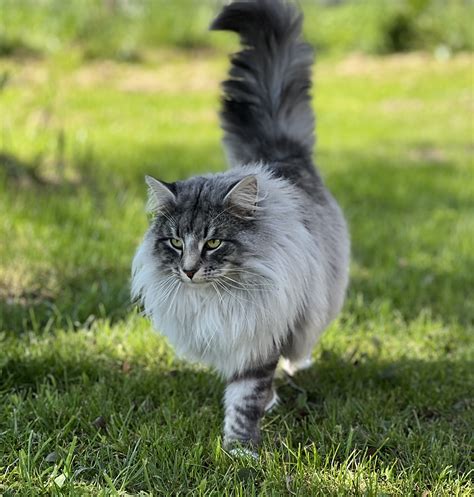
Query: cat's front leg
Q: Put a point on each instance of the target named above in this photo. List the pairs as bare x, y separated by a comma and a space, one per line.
246, 398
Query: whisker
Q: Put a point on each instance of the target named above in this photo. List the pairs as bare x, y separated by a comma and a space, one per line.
251, 273
238, 300
175, 293
218, 293
226, 287
247, 286
167, 290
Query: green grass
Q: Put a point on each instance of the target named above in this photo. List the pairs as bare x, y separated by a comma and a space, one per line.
127, 29
388, 407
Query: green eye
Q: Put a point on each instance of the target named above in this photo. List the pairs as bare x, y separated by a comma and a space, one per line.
176, 243
213, 244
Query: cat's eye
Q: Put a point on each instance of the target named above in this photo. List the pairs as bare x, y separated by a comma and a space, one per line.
213, 243
176, 243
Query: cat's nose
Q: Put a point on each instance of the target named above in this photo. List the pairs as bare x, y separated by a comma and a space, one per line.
189, 273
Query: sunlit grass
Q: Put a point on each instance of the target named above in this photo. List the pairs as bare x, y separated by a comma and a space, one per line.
92, 402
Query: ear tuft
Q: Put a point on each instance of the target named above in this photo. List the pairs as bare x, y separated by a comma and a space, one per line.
243, 197
160, 194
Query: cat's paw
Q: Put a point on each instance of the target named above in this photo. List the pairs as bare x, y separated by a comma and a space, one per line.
243, 453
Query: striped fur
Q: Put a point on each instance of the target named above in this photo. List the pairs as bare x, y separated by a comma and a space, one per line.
246, 397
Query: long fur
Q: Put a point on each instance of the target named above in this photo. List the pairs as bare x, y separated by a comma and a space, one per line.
238, 330
288, 240
266, 111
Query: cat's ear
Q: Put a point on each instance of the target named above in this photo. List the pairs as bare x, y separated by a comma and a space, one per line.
243, 197
160, 194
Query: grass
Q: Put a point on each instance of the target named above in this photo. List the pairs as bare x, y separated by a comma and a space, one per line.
92, 402
126, 29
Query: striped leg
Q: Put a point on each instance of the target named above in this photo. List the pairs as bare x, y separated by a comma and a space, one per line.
246, 397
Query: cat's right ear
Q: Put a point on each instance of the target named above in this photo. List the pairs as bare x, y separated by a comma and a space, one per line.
160, 194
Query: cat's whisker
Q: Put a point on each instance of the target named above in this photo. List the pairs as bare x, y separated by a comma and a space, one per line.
217, 291
232, 295
163, 283
167, 291
239, 300
224, 275
247, 286
173, 298
226, 287
251, 273
254, 282
162, 288
244, 289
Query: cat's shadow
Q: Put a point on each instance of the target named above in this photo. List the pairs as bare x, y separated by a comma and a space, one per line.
337, 399
434, 389
374, 402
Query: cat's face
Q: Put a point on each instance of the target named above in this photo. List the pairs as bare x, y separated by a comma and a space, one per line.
203, 231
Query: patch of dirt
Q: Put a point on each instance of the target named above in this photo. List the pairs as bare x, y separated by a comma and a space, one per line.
428, 153
176, 72
34, 73
16, 289
18, 171
42, 172
165, 71
361, 64
402, 104
169, 73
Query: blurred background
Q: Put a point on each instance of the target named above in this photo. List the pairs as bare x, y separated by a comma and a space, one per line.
126, 29
94, 94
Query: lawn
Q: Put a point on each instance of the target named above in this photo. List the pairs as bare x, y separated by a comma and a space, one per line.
92, 402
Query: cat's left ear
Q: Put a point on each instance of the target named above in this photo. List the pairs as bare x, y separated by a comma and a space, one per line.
160, 194
243, 197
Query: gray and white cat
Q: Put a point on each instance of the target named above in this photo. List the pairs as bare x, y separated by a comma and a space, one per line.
242, 268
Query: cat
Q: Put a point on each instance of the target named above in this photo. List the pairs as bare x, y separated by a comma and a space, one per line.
243, 268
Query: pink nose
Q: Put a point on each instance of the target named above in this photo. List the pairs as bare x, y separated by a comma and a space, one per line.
189, 273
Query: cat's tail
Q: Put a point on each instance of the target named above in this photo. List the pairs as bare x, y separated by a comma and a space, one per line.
266, 108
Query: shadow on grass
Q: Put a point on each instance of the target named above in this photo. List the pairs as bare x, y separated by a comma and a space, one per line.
20, 172
396, 410
17, 48
403, 411
79, 293
402, 216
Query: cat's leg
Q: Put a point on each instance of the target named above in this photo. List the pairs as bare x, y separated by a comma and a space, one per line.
291, 367
273, 401
247, 396
297, 353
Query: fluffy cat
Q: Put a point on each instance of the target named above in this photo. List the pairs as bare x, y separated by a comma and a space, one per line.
242, 268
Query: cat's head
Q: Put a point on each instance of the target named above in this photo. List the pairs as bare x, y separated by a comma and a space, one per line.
204, 228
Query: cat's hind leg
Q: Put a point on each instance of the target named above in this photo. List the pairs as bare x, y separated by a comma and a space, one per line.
273, 400
291, 367
297, 352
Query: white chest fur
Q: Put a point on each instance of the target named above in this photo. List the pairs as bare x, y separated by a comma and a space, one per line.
226, 330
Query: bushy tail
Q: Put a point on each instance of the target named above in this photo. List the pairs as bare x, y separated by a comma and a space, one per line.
266, 111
